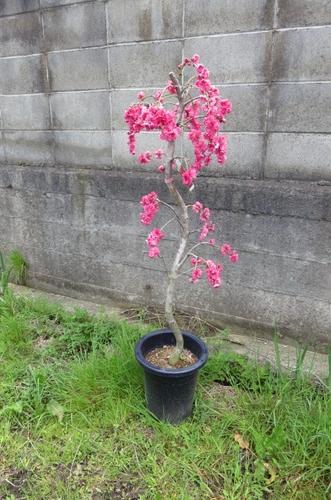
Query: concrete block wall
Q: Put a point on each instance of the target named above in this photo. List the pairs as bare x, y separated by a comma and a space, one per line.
69, 190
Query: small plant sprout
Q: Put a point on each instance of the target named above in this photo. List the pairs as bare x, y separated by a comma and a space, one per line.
192, 108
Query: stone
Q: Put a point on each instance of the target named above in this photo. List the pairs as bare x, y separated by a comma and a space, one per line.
84, 69
23, 75
28, 112
303, 13
81, 110
9, 7
90, 148
215, 16
20, 35
302, 54
300, 108
75, 26
150, 63
298, 156
149, 20
239, 58
29, 146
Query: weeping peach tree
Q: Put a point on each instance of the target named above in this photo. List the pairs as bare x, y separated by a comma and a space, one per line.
194, 107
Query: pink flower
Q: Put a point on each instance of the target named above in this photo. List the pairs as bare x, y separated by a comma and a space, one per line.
188, 176
161, 168
197, 207
151, 207
212, 242
213, 272
141, 95
196, 274
171, 88
157, 95
145, 157
158, 154
205, 215
234, 257
154, 237
204, 232
153, 252
226, 249
195, 59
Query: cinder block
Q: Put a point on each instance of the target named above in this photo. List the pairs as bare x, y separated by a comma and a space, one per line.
29, 146
82, 25
8, 7
148, 64
129, 20
300, 107
298, 156
81, 110
78, 70
2, 149
83, 148
290, 236
226, 16
249, 104
23, 75
303, 13
302, 54
54, 3
21, 34
25, 112
237, 58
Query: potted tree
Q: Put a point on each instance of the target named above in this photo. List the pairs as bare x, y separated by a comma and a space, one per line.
190, 109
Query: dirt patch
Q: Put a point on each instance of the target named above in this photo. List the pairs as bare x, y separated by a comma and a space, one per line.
160, 357
120, 489
14, 482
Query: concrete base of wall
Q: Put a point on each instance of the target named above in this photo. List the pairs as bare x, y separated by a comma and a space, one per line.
78, 229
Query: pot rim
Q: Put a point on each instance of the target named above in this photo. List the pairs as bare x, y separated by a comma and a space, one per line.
171, 372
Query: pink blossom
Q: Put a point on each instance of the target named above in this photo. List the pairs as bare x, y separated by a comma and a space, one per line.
205, 215
196, 274
145, 157
157, 95
154, 237
153, 252
171, 87
188, 176
226, 249
234, 257
196, 261
204, 232
213, 272
195, 59
212, 242
141, 95
158, 154
151, 206
161, 168
197, 207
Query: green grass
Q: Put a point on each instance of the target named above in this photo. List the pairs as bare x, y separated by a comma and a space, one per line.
73, 423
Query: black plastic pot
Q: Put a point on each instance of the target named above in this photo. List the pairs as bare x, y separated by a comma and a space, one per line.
170, 392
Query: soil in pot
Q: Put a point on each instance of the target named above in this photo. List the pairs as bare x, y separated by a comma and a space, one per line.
160, 357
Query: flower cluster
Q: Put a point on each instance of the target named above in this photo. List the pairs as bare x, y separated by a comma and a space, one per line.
201, 116
148, 117
213, 270
153, 240
150, 205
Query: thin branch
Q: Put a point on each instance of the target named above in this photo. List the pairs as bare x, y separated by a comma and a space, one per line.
172, 209
165, 225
